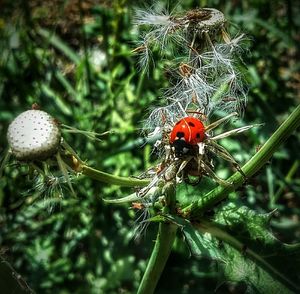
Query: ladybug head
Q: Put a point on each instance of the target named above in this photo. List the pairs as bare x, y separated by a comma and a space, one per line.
181, 147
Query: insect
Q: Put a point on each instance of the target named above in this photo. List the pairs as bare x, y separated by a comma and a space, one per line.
187, 133
194, 145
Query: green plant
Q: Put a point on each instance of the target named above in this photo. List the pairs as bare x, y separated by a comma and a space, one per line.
83, 243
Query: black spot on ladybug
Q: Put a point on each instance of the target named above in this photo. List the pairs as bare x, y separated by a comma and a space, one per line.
178, 123
191, 124
180, 135
198, 136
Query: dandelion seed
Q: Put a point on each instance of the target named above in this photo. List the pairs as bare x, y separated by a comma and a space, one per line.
152, 17
144, 53
142, 221
163, 33
141, 224
50, 187
148, 197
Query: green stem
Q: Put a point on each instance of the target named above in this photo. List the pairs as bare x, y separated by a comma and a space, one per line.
11, 281
162, 248
250, 168
111, 179
161, 251
72, 160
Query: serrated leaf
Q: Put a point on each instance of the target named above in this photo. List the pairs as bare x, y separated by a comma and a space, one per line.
249, 224
239, 268
259, 269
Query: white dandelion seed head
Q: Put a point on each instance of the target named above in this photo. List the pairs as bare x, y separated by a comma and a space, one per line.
33, 135
208, 79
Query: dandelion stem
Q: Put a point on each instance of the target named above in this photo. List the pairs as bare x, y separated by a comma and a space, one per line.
112, 179
73, 162
163, 245
206, 202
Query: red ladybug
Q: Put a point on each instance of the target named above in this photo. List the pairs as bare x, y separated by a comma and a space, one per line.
187, 133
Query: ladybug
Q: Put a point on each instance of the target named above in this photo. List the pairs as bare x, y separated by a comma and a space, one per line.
186, 134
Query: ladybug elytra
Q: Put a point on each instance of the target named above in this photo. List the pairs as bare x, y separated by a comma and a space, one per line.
187, 133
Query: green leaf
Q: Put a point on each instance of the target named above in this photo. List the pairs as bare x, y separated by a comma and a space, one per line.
200, 245
57, 99
256, 262
240, 268
60, 45
249, 224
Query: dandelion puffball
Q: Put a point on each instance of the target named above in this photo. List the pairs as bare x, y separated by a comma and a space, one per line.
33, 135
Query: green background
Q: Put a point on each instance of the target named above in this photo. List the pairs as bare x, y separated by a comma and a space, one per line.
49, 54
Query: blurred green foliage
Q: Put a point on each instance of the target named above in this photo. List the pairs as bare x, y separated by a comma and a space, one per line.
74, 59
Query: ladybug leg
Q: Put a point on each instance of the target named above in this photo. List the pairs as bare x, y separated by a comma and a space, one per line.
223, 153
220, 121
180, 172
210, 172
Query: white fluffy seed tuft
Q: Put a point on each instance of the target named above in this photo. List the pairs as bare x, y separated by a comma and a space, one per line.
33, 135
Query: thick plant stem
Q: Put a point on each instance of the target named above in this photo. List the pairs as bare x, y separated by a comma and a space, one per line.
161, 251
74, 162
162, 248
206, 202
112, 179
